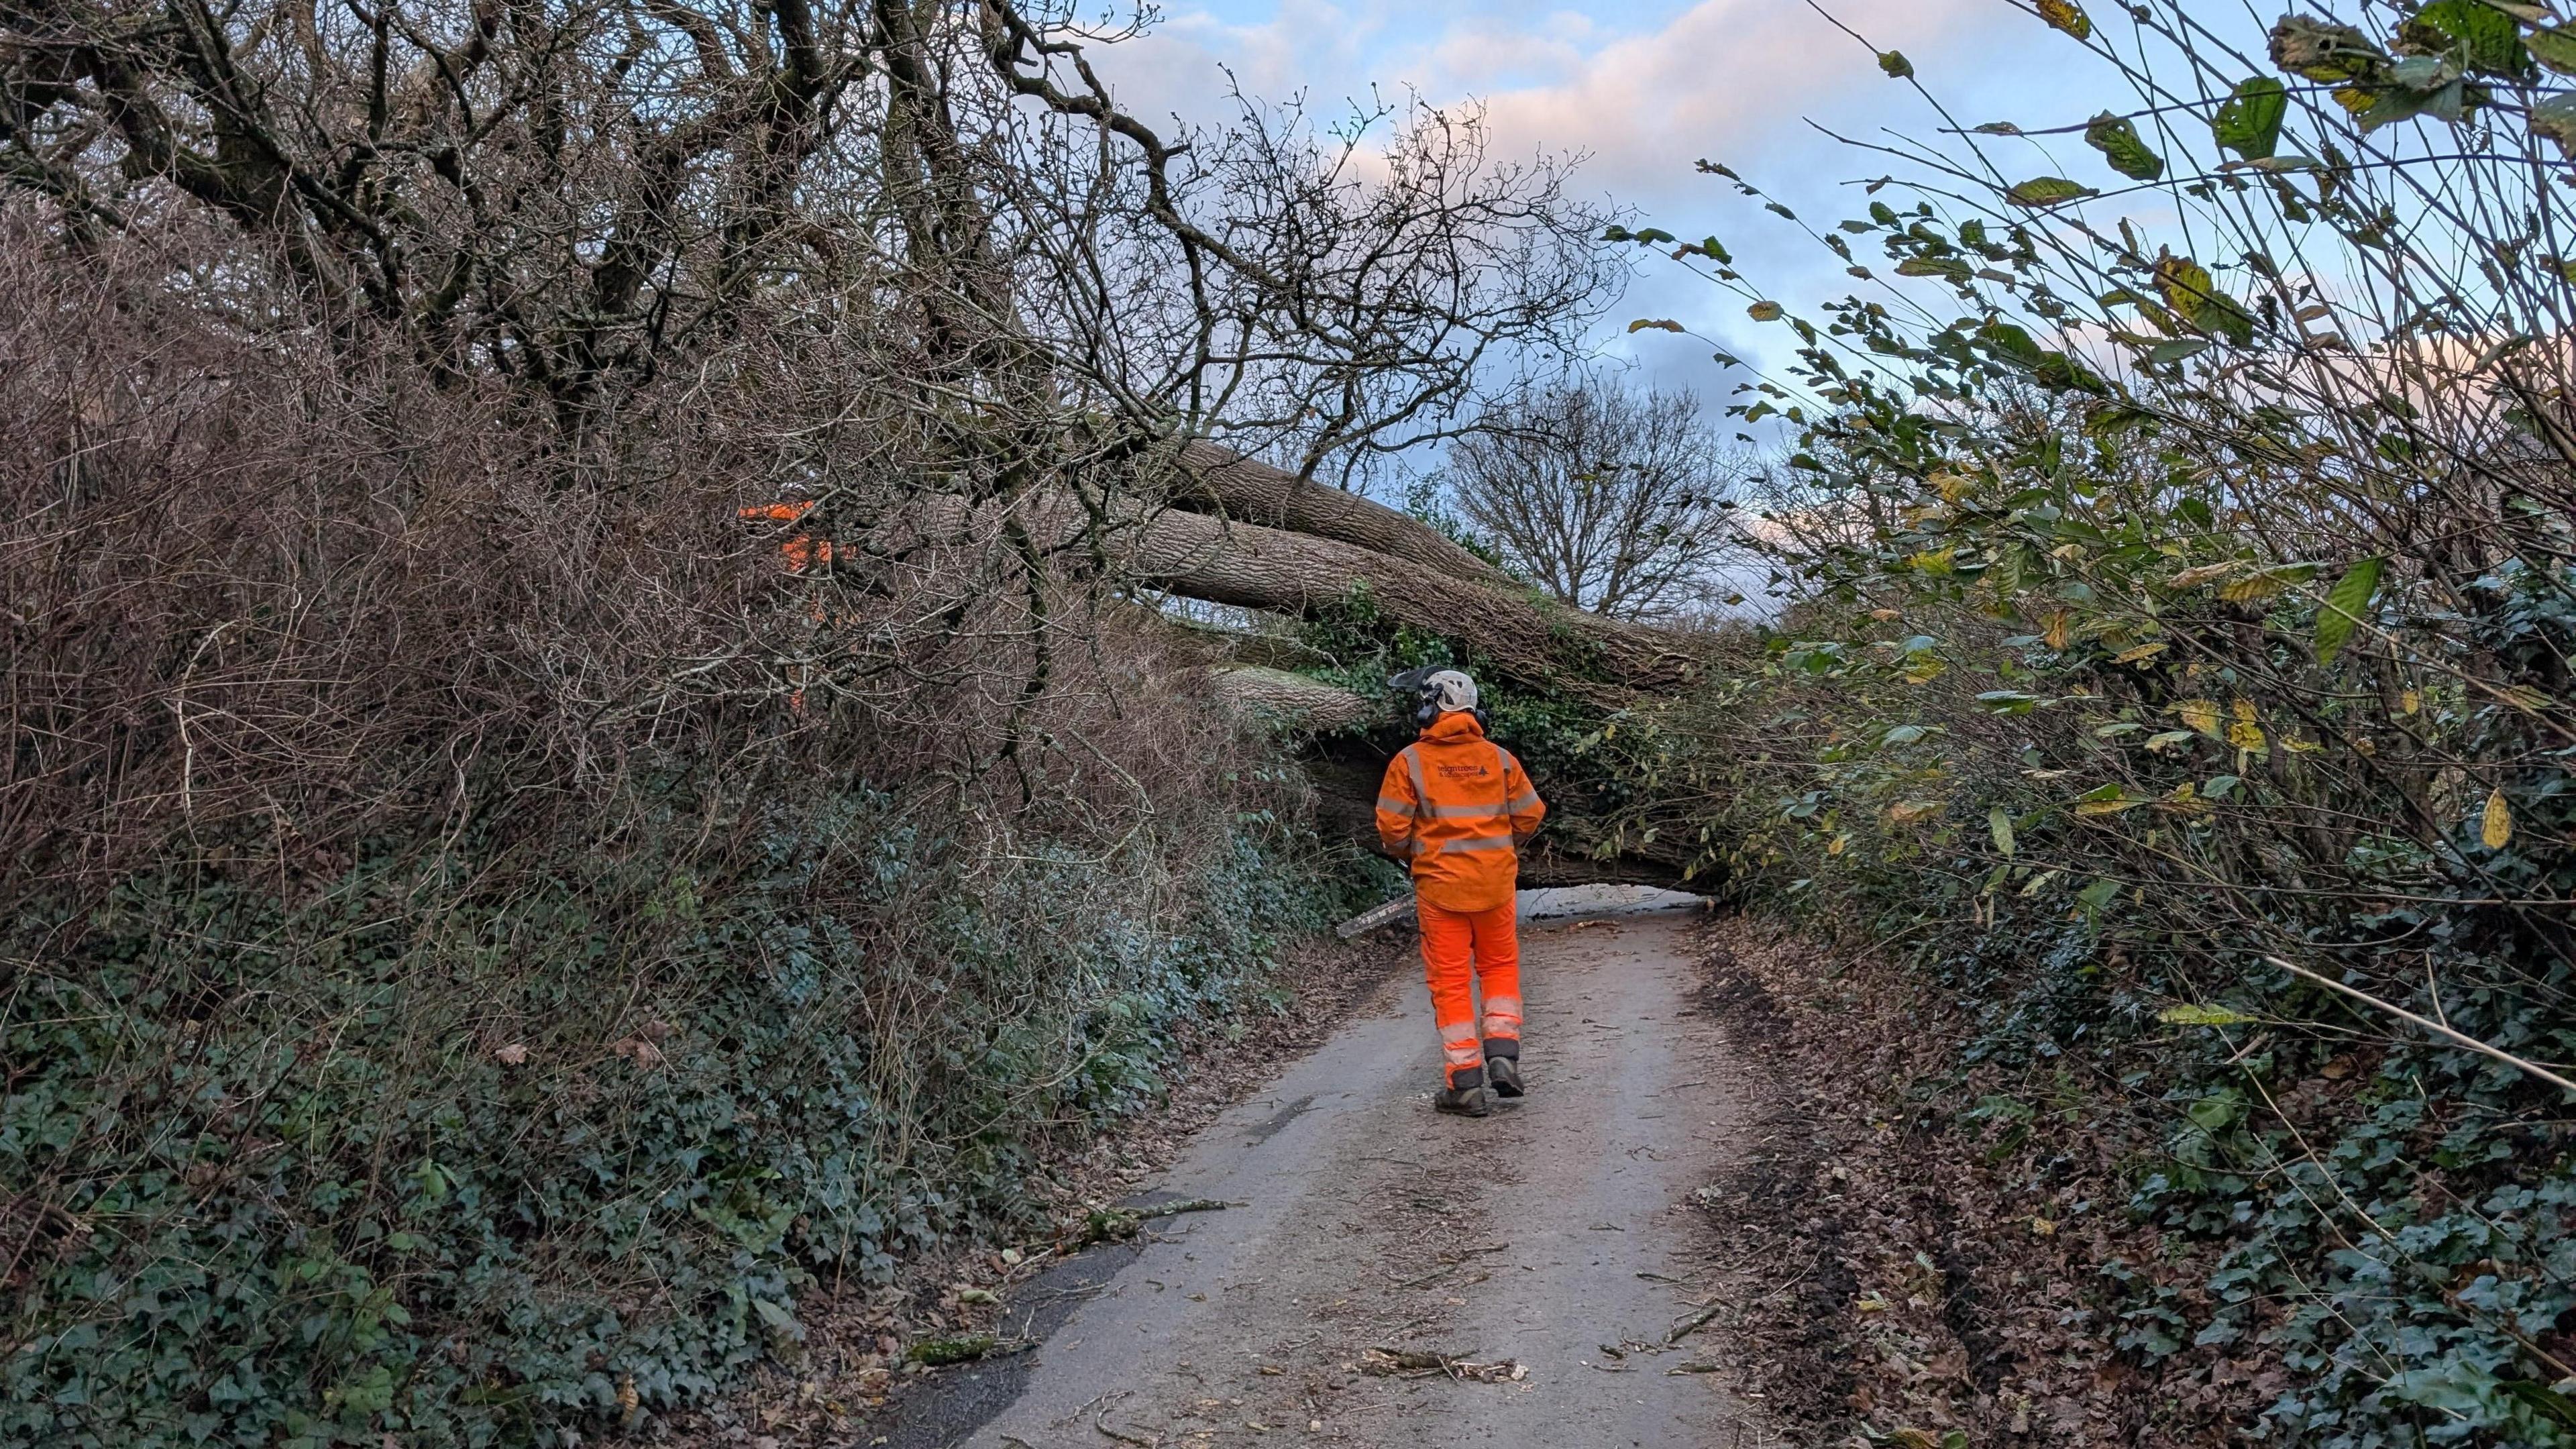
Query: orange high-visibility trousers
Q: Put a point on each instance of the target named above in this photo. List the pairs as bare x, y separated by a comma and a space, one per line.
1463, 951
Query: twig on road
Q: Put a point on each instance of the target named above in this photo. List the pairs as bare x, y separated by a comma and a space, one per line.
1693, 1323
1100, 1421
1187, 1205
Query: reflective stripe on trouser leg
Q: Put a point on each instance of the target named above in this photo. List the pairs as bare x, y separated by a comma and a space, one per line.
1463, 1058
1448, 968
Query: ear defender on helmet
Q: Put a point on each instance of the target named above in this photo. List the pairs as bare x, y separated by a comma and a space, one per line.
1438, 691
1426, 701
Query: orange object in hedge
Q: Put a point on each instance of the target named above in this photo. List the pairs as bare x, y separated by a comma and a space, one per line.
802, 551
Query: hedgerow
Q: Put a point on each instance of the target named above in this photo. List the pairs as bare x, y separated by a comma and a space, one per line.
2178, 677
473, 1149
482, 938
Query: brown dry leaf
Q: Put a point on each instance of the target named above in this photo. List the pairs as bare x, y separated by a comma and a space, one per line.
515, 1054
642, 1053
2253, 589
2190, 577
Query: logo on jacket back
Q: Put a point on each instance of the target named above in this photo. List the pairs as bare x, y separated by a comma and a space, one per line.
1461, 772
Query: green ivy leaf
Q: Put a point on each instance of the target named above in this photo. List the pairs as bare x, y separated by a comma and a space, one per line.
2344, 606
2249, 122
2116, 137
2548, 1404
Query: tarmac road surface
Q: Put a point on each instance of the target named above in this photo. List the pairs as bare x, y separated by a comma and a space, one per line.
1545, 1253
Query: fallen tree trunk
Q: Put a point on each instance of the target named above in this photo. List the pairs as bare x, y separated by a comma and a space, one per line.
1217, 479
1533, 640
1290, 699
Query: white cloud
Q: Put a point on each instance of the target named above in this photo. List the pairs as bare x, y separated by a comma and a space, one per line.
1642, 90
1727, 78
1721, 75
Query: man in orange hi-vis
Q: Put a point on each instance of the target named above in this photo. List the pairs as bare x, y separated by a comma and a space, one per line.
1459, 808
801, 551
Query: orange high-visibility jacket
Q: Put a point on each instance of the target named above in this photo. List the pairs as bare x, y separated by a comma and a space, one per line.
800, 550
1459, 807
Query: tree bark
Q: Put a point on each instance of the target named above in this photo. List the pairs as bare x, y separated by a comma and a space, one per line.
1532, 640
1217, 479
1291, 699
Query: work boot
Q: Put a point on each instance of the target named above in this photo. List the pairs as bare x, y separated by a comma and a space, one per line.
1464, 1101
1505, 1074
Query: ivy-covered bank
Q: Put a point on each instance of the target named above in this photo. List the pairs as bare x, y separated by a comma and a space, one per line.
476, 1143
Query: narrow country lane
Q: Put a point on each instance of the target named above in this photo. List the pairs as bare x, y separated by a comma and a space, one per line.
1551, 1247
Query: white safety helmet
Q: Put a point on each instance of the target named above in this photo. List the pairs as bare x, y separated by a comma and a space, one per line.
1448, 692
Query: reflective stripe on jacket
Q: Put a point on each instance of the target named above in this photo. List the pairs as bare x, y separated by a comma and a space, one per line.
1458, 807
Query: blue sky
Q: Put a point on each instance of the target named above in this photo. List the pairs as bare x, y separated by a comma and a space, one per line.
1644, 89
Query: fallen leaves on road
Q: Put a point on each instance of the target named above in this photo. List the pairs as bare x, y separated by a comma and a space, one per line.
1915, 1272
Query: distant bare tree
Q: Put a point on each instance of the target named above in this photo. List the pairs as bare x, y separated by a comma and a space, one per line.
1611, 499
